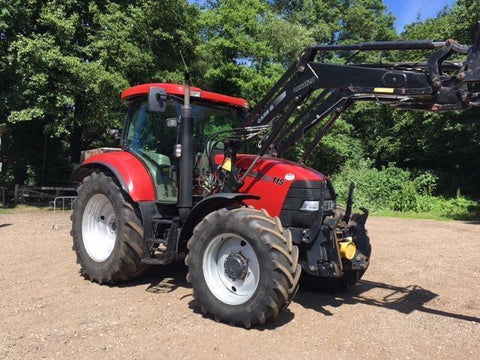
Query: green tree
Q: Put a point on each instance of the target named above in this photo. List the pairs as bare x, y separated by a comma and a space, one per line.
63, 66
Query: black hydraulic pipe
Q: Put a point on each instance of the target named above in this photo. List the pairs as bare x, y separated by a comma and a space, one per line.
277, 127
186, 157
319, 137
307, 111
307, 125
325, 129
384, 45
271, 138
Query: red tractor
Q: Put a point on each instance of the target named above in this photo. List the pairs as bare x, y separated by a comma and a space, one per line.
247, 224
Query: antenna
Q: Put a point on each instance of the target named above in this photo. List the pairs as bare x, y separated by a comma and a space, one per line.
183, 60
187, 73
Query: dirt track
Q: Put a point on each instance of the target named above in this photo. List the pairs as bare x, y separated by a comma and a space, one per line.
419, 299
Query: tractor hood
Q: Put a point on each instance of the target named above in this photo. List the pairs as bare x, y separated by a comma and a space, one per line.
276, 180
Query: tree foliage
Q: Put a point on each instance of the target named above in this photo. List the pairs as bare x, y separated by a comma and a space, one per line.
64, 63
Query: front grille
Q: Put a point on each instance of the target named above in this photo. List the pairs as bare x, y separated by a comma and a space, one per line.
300, 191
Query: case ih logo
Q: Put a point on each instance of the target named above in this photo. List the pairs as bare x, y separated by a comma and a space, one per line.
272, 106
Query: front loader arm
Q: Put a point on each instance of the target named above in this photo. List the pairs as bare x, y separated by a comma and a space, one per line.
434, 85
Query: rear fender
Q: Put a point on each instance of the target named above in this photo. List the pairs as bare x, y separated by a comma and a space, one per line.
208, 205
130, 172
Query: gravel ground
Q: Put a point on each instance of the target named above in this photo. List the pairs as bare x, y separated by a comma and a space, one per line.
420, 298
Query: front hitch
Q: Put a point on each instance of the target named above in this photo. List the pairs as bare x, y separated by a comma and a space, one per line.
337, 246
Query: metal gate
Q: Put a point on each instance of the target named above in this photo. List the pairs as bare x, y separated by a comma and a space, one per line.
61, 204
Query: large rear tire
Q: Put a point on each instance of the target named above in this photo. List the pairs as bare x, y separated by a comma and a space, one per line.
243, 266
107, 232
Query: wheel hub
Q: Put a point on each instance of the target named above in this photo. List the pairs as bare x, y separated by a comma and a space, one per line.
236, 266
99, 227
231, 268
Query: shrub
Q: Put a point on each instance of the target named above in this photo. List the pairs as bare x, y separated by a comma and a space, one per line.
392, 188
406, 198
374, 188
426, 183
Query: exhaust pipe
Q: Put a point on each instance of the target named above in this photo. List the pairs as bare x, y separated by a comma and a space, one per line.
186, 155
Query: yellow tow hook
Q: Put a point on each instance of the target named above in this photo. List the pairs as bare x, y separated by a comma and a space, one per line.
348, 248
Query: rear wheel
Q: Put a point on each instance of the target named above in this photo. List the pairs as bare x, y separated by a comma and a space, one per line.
243, 266
107, 232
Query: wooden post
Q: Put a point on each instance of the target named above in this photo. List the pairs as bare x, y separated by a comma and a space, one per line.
15, 193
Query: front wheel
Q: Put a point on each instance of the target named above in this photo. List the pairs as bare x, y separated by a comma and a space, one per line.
243, 266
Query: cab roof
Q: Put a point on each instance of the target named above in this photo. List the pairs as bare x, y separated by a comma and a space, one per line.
177, 89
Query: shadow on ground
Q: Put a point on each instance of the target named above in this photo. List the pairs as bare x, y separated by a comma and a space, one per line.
161, 279
402, 299
167, 278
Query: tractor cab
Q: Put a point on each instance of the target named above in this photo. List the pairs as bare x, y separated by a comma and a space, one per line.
153, 135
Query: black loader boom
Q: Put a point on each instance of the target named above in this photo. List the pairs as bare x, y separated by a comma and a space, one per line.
432, 85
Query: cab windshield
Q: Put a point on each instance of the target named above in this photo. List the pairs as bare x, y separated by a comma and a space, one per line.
149, 138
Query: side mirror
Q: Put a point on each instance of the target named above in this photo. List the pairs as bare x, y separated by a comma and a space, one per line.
115, 133
171, 122
157, 99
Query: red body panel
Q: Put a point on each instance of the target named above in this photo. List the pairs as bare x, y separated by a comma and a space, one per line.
271, 179
133, 173
176, 89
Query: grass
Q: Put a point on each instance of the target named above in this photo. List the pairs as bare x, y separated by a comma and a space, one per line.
32, 207
415, 215
25, 207
428, 207
439, 209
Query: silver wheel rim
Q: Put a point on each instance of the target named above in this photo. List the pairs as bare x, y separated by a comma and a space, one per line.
99, 228
228, 290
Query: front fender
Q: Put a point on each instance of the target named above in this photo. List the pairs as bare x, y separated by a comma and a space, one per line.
129, 171
208, 205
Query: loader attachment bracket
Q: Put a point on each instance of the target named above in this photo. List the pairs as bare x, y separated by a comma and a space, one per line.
472, 65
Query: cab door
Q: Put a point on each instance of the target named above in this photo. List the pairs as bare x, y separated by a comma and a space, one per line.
149, 138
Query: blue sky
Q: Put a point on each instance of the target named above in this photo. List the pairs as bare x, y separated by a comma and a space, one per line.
406, 11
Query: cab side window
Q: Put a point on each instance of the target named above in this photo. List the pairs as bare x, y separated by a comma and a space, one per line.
153, 142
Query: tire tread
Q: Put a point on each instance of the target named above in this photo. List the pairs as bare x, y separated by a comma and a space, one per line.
127, 264
284, 264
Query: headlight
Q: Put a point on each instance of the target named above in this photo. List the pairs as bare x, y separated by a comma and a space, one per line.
310, 205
